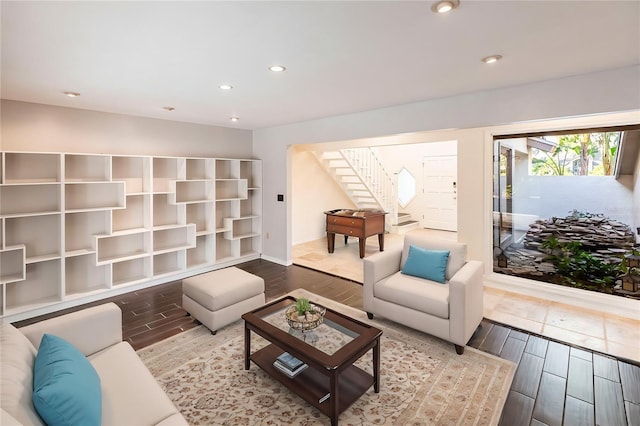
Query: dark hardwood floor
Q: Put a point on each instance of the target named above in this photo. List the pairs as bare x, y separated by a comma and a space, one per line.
555, 383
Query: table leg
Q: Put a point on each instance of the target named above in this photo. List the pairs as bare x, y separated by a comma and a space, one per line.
376, 366
361, 243
334, 398
331, 241
247, 347
381, 241
346, 237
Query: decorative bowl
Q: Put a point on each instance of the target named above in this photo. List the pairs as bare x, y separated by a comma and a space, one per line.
306, 322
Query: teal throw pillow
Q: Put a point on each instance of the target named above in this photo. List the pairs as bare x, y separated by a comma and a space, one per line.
66, 387
427, 264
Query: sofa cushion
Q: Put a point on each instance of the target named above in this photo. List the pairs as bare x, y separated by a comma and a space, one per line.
130, 394
415, 293
66, 388
427, 264
16, 375
457, 251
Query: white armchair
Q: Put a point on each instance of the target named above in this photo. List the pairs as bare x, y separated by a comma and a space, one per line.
451, 310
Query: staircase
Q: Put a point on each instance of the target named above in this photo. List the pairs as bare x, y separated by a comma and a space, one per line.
363, 178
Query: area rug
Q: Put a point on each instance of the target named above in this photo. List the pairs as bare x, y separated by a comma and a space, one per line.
423, 380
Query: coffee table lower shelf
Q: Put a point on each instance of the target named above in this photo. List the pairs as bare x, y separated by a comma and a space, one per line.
311, 384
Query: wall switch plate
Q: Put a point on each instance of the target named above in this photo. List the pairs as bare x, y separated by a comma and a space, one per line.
280, 197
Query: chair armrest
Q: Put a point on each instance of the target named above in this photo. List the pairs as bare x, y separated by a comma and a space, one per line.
90, 330
466, 294
376, 268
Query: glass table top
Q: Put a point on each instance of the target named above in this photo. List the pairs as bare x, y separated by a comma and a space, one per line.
328, 337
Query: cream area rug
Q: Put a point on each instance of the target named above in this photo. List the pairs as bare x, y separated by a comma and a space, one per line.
423, 380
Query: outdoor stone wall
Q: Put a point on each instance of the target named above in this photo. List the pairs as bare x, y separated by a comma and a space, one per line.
605, 238
602, 236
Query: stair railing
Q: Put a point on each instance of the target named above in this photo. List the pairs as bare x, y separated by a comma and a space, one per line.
383, 187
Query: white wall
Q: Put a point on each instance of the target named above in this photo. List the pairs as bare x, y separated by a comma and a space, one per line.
313, 192
36, 127
608, 91
548, 196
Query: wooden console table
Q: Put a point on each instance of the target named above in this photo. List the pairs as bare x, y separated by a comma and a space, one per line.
355, 223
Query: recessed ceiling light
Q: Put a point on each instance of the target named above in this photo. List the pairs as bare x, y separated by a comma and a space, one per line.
168, 108
491, 59
225, 87
277, 68
444, 6
234, 119
71, 94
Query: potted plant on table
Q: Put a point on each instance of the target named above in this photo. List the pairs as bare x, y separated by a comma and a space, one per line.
303, 315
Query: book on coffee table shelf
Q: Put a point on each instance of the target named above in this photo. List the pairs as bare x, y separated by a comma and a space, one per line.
289, 364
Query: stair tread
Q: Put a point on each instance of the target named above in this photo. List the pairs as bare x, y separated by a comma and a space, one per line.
408, 222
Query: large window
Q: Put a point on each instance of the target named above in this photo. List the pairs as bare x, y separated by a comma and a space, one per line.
564, 208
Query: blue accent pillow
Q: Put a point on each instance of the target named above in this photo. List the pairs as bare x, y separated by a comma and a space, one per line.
66, 387
427, 264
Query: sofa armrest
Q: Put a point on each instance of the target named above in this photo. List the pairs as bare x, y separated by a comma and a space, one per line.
90, 330
466, 293
376, 268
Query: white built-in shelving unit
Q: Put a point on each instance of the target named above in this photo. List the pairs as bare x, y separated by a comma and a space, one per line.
81, 227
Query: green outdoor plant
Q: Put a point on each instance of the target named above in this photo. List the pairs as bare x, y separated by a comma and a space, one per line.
303, 306
582, 148
579, 267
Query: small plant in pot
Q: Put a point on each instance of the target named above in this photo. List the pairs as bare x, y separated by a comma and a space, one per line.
303, 307
304, 316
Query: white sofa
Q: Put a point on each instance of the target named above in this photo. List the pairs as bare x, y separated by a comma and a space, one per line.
130, 394
451, 311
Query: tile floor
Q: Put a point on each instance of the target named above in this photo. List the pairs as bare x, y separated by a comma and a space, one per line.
590, 329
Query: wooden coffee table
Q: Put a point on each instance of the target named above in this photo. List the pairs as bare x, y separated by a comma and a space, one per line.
330, 351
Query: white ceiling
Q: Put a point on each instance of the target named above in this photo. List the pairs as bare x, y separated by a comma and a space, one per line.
341, 57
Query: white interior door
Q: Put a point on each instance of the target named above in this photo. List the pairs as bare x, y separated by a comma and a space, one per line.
441, 192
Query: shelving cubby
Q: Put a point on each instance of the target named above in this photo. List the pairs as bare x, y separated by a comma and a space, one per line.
28, 167
131, 272
251, 170
94, 196
165, 213
242, 227
80, 230
202, 215
223, 210
83, 275
166, 170
202, 254
41, 286
136, 215
122, 246
87, 168
169, 263
191, 191
27, 231
227, 168
250, 246
12, 264
29, 199
231, 189
200, 168
173, 238
224, 249
135, 172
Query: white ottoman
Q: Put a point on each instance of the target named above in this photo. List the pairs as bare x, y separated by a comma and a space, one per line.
220, 297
